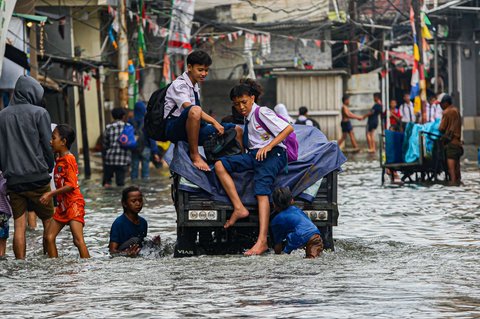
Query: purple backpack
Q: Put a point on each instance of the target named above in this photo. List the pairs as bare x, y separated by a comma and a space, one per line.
290, 141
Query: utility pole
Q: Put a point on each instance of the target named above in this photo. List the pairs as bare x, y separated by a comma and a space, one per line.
436, 61
122, 55
83, 123
33, 52
352, 46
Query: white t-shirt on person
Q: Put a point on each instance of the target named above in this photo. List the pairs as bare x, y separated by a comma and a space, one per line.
179, 92
406, 112
257, 136
433, 112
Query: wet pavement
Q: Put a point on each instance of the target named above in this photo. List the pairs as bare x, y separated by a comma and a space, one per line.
401, 252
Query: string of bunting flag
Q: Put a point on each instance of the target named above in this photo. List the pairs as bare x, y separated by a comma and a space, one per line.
257, 36
146, 20
147, 23
418, 90
263, 38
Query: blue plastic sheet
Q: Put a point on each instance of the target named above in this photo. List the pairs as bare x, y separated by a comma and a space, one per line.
411, 142
393, 147
317, 157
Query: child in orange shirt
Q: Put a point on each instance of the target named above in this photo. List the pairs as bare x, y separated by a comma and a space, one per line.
70, 209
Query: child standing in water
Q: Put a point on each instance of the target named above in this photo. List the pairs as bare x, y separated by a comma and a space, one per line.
70, 209
5, 214
347, 129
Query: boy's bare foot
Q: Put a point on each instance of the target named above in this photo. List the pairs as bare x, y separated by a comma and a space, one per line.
199, 163
236, 215
259, 248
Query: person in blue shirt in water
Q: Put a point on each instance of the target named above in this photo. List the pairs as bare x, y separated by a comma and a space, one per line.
128, 230
291, 228
373, 121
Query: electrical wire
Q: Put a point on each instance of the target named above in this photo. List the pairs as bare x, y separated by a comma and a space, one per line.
268, 8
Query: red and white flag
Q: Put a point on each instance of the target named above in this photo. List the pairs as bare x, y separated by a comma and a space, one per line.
180, 27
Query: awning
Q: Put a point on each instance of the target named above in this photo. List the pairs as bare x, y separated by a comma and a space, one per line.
31, 17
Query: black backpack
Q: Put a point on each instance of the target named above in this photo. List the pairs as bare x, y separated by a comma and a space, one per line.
217, 146
154, 120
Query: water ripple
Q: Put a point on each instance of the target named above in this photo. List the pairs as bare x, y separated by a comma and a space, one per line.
401, 252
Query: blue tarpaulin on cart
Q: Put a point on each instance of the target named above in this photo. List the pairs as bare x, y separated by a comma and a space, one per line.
393, 147
411, 145
317, 157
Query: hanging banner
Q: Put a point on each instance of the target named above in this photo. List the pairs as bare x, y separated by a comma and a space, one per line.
180, 27
6, 10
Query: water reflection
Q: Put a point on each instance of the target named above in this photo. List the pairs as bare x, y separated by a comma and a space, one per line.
410, 251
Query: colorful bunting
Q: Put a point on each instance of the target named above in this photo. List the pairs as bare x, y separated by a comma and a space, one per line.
426, 33
112, 37
417, 104
416, 52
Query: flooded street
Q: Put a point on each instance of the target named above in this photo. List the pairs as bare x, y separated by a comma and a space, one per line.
401, 252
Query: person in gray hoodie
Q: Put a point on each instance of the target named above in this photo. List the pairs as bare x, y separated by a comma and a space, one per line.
26, 158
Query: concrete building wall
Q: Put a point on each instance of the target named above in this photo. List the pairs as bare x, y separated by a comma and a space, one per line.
264, 11
228, 57
150, 78
468, 79
88, 39
284, 51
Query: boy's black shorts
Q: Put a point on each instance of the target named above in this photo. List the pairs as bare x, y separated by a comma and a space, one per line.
346, 126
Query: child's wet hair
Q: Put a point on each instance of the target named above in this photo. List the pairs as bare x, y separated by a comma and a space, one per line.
199, 57
128, 190
240, 90
345, 98
66, 132
255, 88
282, 198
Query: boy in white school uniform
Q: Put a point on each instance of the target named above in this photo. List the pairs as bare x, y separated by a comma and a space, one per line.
433, 110
186, 121
406, 111
266, 156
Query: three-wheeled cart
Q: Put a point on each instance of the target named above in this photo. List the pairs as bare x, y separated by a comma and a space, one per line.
429, 167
